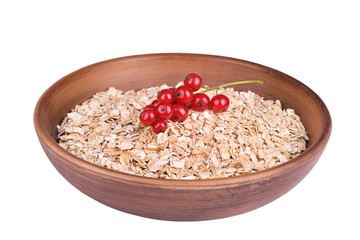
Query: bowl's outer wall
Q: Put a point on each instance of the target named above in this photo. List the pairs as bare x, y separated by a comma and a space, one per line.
192, 203
179, 204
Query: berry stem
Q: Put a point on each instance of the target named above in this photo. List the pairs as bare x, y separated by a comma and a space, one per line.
141, 129
230, 84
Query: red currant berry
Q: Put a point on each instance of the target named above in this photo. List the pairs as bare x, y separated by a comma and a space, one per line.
219, 103
155, 102
151, 106
180, 113
166, 95
147, 117
164, 110
200, 102
172, 89
194, 81
184, 95
159, 126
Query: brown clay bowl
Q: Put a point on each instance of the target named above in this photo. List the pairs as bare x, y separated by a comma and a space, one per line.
180, 199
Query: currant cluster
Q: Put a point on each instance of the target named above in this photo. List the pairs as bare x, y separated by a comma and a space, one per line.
174, 104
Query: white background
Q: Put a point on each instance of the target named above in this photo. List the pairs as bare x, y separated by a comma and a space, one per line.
316, 42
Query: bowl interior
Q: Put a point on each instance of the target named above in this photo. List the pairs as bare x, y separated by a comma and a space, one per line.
144, 71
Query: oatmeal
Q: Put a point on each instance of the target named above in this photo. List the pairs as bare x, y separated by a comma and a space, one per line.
254, 134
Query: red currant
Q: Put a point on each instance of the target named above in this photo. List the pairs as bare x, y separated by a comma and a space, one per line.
155, 102
159, 126
184, 95
148, 117
166, 95
151, 106
219, 103
200, 102
194, 81
164, 110
172, 89
180, 113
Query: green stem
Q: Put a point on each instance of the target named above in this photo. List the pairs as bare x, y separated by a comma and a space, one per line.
230, 84
141, 129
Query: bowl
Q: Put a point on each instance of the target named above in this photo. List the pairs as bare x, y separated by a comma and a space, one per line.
180, 200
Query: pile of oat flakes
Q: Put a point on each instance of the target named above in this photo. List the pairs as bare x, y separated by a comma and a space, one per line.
252, 135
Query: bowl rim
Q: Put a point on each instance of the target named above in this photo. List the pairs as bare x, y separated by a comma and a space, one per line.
303, 158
